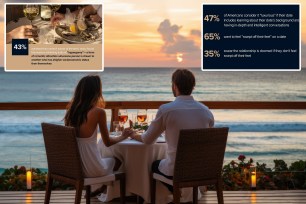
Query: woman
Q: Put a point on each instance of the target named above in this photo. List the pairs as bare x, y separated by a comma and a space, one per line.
85, 112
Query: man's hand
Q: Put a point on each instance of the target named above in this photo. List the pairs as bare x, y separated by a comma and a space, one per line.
20, 32
136, 136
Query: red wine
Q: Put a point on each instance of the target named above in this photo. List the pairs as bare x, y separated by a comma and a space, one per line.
123, 118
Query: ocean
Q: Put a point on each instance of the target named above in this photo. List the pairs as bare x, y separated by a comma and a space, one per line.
264, 135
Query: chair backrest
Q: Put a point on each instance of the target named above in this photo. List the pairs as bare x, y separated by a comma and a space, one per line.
62, 151
200, 154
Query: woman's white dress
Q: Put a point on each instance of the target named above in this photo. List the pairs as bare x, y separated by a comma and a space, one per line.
92, 162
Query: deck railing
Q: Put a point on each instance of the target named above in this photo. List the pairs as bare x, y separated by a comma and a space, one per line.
114, 106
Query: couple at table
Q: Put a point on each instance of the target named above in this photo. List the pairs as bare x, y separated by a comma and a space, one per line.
86, 112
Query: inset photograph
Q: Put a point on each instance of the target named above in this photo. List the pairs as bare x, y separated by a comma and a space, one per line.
54, 37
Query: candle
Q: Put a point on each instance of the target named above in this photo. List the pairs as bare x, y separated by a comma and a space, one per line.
29, 180
253, 179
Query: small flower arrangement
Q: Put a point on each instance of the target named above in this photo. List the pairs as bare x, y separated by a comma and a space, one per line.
143, 126
236, 174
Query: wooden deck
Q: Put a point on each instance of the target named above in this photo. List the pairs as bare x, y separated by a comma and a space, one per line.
230, 197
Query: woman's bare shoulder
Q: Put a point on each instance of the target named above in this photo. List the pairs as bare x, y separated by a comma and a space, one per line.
97, 111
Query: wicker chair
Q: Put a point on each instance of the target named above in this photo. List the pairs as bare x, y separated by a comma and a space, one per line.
199, 161
64, 163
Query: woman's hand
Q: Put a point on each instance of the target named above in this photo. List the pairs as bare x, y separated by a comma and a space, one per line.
127, 132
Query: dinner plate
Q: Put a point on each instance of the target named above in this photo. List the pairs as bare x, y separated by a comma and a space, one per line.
76, 39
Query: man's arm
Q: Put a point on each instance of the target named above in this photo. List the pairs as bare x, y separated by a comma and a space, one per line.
212, 122
154, 131
137, 137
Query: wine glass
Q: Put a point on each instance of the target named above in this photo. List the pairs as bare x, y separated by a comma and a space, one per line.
54, 8
123, 117
141, 115
116, 127
31, 11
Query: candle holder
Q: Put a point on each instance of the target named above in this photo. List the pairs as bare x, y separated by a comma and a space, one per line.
253, 179
29, 180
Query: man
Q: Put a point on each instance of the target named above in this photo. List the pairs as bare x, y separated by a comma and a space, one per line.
183, 113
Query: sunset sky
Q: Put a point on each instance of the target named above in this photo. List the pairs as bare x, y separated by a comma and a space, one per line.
138, 32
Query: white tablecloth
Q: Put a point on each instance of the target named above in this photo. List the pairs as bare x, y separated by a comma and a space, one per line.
137, 160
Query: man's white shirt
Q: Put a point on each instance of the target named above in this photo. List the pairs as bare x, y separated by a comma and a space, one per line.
183, 113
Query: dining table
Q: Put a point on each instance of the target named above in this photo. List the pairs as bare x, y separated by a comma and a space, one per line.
137, 159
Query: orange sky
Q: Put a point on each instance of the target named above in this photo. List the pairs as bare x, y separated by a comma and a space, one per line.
132, 39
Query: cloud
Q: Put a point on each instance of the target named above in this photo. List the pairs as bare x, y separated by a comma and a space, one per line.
195, 32
174, 42
168, 31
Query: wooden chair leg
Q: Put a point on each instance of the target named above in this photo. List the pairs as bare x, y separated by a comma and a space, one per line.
153, 189
88, 191
78, 195
48, 189
176, 195
219, 188
122, 189
195, 195
140, 200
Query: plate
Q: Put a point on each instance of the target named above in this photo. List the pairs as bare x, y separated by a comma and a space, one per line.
77, 39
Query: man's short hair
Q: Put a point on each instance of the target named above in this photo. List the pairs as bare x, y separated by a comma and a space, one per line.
184, 81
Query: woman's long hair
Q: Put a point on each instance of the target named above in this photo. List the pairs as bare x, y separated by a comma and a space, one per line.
87, 94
